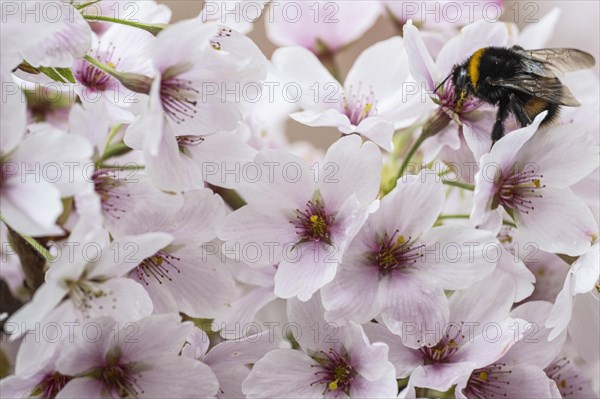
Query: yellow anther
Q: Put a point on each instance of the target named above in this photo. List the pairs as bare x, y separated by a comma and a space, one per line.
112, 65
158, 260
333, 385
483, 376
400, 240
563, 383
314, 218
537, 182
368, 107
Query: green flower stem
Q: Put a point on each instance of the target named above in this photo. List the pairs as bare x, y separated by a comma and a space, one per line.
154, 29
464, 186
113, 151
453, 216
127, 166
411, 153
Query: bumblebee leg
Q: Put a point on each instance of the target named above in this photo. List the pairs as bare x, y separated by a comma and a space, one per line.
518, 109
498, 130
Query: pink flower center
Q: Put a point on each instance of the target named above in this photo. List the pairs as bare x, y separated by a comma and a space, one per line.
92, 77
120, 379
334, 371
451, 103
314, 223
358, 107
178, 98
488, 382
396, 253
189, 141
516, 190
567, 380
106, 185
50, 385
446, 347
158, 267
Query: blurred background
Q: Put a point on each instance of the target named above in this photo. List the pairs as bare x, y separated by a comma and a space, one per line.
578, 27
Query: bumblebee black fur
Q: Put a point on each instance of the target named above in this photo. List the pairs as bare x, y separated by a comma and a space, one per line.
520, 82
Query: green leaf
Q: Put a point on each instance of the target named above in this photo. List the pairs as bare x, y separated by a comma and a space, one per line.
67, 74
52, 74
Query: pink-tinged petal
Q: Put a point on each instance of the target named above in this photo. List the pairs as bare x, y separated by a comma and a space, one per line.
154, 335
91, 344
421, 65
477, 126
12, 114
368, 359
534, 348
385, 80
231, 378
378, 130
423, 192
522, 278
271, 234
560, 164
560, 315
20, 207
292, 366
245, 351
305, 270
311, 330
350, 167
328, 117
466, 305
538, 35
472, 37
243, 311
200, 288
482, 215
278, 180
404, 359
385, 387
46, 298
440, 376
586, 270
186, 378
495, 340
123, 299
335, 25
352, 295
72, 40
559, 222
455, 257
304, 69
167, 168
126, 252
85, 387
15, 386
525, 381
197, 344
220, 153
505, 152
198, 205
584, 328
411, 306
448, 138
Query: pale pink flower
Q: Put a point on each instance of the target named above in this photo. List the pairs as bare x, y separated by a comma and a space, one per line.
320, 26
528, 174
374, 100
145, 365
181, 276
229, 359
85, 283
399, 265
37, 169
479, 333
303, 219
333, 362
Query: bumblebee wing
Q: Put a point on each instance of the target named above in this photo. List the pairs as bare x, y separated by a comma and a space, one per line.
552, 61
546, 88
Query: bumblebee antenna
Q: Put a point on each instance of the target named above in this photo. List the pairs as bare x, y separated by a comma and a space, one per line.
441, 84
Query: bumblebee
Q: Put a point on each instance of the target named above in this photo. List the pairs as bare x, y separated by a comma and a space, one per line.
519, 82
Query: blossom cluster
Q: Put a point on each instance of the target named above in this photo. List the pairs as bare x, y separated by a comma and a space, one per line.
162, 236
